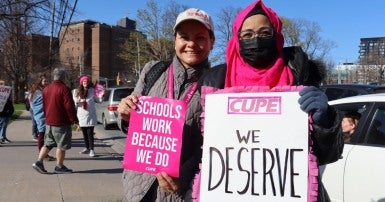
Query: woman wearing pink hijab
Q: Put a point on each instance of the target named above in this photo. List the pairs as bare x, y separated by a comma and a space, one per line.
255, 56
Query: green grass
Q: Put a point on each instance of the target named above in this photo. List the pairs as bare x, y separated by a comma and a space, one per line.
18, 110
19, 106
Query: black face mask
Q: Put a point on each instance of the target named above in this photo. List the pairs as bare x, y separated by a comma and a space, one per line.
258, 52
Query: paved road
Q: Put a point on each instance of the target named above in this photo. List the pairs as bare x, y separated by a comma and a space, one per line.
94, 179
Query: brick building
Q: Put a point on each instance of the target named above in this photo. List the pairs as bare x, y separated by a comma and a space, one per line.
39, 53
91, 48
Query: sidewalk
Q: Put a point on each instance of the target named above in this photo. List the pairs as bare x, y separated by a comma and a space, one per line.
94, 179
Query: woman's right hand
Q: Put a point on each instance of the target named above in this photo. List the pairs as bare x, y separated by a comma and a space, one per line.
126, 105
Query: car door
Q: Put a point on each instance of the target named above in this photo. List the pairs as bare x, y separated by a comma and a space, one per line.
364, 177
101, 106
333, 175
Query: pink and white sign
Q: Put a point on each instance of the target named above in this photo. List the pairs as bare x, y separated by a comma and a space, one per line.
255, 148
154, 138
5, 91
99, 90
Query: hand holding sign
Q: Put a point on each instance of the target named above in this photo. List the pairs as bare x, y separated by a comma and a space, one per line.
168, 183
126, 106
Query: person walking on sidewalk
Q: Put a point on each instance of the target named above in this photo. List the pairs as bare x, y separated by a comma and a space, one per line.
5, 114
86, 112
36, 102
60, 114
27, 97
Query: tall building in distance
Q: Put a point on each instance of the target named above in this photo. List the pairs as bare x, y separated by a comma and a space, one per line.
371, 50
91, 48
370, 68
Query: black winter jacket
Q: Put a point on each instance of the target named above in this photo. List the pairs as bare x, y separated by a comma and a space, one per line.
327, 143
8, 109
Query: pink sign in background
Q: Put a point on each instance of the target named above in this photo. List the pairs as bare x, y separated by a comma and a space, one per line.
99, 91
154, 138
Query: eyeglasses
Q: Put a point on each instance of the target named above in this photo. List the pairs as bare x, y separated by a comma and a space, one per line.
264, 33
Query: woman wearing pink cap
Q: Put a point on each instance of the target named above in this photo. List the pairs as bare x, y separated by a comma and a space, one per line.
86, 112
193, 41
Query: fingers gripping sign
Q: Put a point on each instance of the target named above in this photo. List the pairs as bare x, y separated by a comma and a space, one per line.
126, 105
168, 183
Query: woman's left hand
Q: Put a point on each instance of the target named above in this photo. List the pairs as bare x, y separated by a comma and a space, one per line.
168, 183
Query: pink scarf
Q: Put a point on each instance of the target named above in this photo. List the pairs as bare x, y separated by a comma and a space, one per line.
239, 73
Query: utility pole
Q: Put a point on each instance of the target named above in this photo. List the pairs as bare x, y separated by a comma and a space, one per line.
51, 37
138, 50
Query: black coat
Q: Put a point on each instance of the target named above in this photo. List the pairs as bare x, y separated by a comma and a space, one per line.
327, 143
8, 109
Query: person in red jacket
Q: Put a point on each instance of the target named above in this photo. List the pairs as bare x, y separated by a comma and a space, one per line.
60, 114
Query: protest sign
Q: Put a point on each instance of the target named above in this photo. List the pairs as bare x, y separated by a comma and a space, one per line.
99, 91
255, 148
5, 91
154, 138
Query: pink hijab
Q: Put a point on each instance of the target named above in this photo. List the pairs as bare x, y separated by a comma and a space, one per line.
239, 73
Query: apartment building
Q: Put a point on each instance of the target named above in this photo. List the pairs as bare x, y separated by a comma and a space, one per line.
91, 48
372, 50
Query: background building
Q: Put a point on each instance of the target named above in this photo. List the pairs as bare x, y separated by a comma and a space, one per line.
370, 68
371, 50
91, 48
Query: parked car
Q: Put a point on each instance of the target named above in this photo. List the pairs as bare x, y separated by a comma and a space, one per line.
359, 175
106, 109
337, 91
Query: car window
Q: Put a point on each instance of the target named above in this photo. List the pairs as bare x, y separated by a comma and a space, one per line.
106, 95
362, 110
376, 135
119, 94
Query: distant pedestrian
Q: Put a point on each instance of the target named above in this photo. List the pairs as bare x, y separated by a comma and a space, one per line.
27, 98
60, 114
36, 103
86, 112
5, 114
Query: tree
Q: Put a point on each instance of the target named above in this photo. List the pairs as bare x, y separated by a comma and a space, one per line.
18, 20
223, 29
135, 54
157, 24
14, 27
304, 33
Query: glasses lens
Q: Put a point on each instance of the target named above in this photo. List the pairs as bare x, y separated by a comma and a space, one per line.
264, 32
246, 34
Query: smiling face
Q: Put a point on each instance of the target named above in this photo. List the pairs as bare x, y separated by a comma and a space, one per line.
192, 43
85, 83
